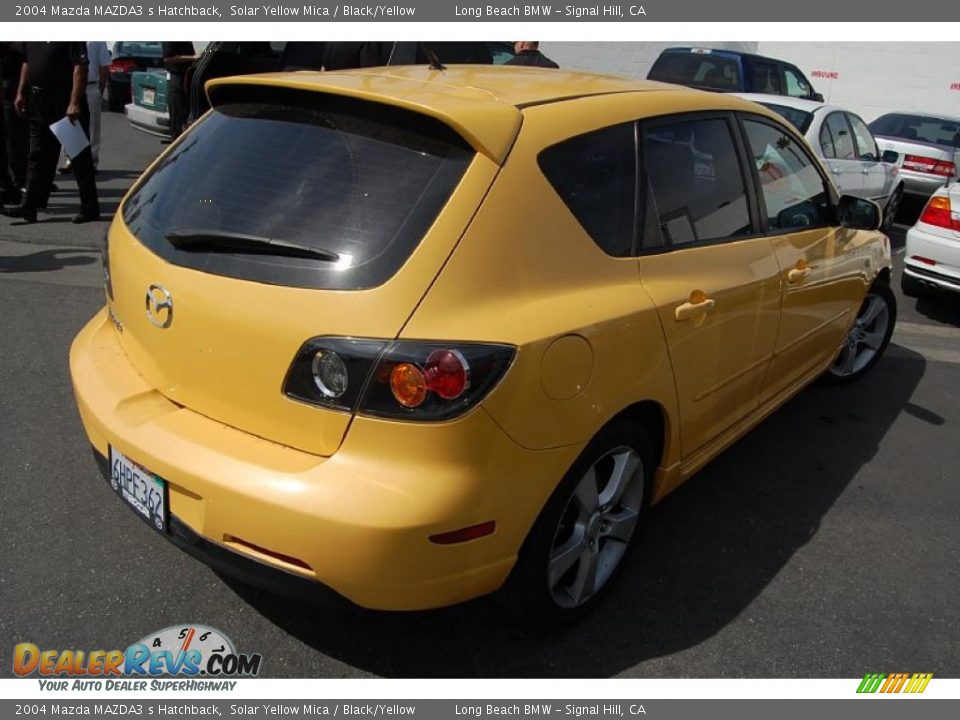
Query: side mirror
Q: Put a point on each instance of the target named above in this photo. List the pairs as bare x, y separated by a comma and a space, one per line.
890, 156
818, 97
858, 213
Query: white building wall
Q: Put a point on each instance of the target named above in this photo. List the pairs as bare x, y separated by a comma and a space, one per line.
870, 78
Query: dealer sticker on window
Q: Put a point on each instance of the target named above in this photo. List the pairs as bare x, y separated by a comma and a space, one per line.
140, 489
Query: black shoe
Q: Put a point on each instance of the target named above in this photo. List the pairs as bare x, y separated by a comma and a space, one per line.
54, 188
26, 214
83, 217
66, 169
12, 197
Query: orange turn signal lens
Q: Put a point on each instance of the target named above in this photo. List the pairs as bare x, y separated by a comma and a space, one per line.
408, 385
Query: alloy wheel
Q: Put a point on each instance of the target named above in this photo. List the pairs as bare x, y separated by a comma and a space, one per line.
865, 339
595, 527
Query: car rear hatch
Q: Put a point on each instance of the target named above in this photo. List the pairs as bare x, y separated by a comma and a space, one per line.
150, 89
289, 213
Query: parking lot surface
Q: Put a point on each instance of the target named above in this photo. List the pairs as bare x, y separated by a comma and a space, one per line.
826, 543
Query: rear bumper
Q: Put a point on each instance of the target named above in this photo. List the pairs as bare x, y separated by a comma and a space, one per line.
239, 566
150, 121
357, 522
944, 252
921, 185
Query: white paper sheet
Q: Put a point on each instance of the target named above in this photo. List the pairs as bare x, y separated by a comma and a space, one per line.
71, 136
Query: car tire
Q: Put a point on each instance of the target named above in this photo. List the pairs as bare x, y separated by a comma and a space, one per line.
585, 532
910, 287
890, 211
868, 337
115, 101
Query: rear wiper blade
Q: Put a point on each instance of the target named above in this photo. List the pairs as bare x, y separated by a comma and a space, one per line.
226, 241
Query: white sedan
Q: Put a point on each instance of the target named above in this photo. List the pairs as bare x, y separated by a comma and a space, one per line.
932, 257
846, 147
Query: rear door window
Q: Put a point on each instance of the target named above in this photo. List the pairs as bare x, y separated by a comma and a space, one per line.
361, 182
696, 179
766, 78
838, 130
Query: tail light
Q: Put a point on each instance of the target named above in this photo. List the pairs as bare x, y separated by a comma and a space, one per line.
123, 65
402, 379
940, 213
930, 165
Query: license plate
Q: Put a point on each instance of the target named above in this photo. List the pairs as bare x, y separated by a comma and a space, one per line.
149, 96
139, 488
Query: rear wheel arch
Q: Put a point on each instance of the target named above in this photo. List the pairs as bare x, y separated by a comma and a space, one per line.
653, 417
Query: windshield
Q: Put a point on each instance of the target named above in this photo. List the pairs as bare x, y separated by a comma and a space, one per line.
932, 130
800, 119
359, 181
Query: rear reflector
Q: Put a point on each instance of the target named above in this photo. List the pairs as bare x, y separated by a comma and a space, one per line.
920, 258
464, 534
929, 165
940, 213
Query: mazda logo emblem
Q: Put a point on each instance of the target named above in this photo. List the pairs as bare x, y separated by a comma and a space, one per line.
159, 306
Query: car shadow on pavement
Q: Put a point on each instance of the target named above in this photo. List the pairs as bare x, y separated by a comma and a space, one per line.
706, 553
943, 307
46, 261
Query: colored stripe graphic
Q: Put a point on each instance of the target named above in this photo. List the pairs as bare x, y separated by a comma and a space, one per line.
894, 682
871, 682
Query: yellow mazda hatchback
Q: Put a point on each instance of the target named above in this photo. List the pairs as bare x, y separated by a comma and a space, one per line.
414, 335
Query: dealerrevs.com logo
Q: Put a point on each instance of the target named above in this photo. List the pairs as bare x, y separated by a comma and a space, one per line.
181, 651
894, 683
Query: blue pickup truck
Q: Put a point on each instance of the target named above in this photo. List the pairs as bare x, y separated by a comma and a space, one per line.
731, 71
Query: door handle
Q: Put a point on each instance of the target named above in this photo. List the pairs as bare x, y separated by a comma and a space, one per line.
690, 310
866, 172
836, 170
798, 275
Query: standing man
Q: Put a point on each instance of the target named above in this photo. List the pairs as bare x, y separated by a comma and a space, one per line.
14, 137
528, 53
177, 59
97, 72
54, 78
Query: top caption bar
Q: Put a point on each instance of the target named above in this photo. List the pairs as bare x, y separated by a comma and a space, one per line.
495, 11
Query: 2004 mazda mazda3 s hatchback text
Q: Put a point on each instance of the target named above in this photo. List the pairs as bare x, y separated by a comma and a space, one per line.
419, 335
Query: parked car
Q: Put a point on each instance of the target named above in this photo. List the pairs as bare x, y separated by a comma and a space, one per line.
932, 256
731, 71
148, 110
416, 336
844, 144
129, 57
928, 145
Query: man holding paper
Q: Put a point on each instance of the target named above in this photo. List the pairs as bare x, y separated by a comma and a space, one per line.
53, 82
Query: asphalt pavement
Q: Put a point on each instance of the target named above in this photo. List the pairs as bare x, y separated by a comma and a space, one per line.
826, 543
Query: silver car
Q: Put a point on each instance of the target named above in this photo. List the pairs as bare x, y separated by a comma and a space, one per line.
928, 145
857, 164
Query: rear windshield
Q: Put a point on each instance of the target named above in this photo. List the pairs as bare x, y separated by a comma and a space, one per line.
800, 119
932, 130
359, 181
139, 49
700, 70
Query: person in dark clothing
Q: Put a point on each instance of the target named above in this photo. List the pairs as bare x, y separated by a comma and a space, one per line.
528, 53
14, 135
54, 78
302, 56
346, 55
177, 58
